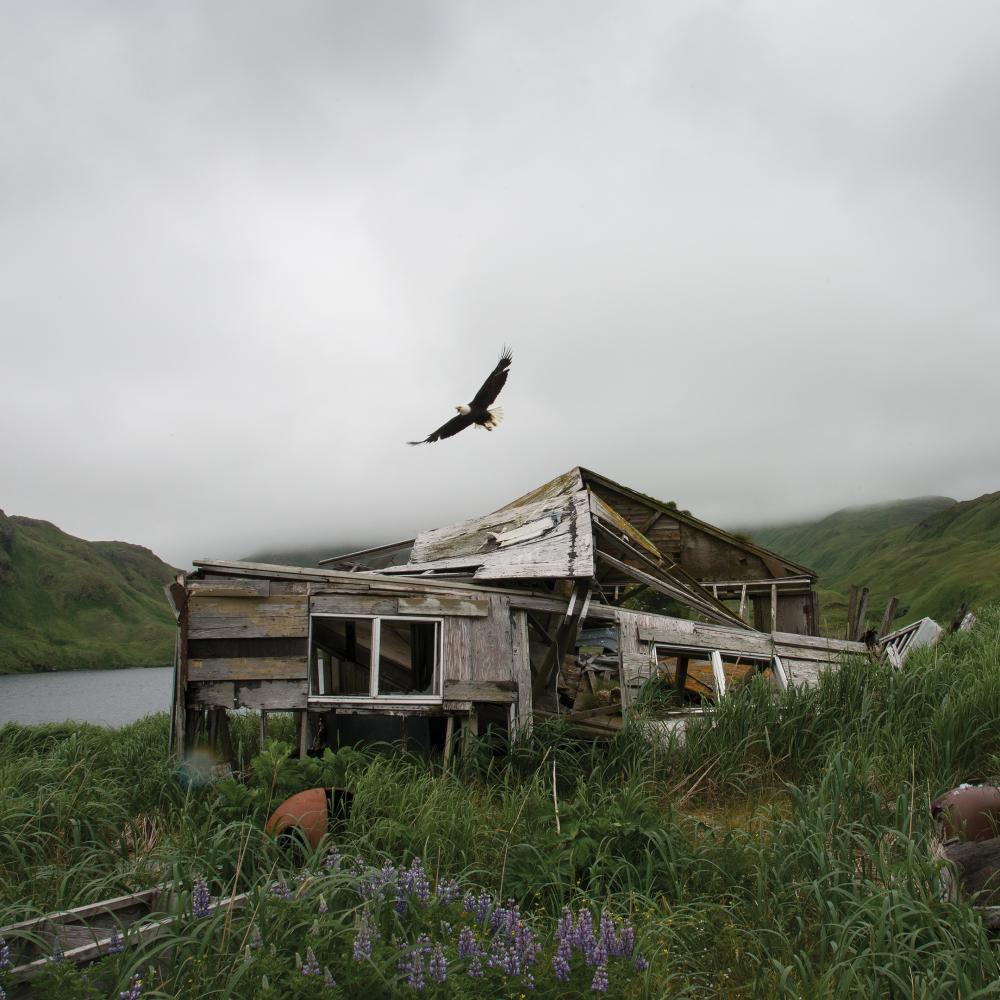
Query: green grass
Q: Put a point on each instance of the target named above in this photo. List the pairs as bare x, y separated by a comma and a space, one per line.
65, 602
931, 552
780, 851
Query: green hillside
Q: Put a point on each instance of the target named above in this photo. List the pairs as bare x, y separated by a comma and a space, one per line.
930, 552
66, 602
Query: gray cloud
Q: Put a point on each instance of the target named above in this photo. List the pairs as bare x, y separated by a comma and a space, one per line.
745, 255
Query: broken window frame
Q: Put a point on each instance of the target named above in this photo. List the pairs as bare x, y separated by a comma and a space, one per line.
373, 697
714, 656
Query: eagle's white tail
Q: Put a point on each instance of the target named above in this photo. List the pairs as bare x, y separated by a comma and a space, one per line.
496, 415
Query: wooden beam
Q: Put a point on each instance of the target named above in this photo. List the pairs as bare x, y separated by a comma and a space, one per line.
888, 617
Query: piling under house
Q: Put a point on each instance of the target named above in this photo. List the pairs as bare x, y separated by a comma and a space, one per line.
494, 620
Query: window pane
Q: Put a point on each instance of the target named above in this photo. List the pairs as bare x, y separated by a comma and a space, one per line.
341, 656
407, 657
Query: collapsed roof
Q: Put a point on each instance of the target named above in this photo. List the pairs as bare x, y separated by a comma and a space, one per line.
582, 526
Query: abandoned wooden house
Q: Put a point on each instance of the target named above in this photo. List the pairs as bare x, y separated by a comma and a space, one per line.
495, 620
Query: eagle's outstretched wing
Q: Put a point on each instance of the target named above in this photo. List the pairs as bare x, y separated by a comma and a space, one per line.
492, 386
447, 430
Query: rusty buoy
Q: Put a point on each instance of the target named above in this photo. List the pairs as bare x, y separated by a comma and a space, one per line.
310, 811
971, 812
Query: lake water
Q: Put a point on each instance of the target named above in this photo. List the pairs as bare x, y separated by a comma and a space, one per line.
105, 697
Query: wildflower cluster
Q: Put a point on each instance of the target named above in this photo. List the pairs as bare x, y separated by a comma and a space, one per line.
201, 901
134, 992
611, 939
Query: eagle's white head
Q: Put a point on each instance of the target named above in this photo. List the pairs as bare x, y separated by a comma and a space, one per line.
463, 409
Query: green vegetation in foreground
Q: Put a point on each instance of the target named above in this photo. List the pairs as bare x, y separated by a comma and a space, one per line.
782, 851
66, 602
931, 552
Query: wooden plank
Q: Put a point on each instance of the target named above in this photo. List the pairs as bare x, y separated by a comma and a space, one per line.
888, 616
248, 668
521, 646
852, 611
495, 692
859, 624
476, 607
237, 617
274, 696
230, 588
702, 601
210, 694
352, 604
675, 634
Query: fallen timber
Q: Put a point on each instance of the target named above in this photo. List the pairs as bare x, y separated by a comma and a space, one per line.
86, 934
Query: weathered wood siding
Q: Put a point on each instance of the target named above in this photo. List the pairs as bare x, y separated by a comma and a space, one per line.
480, 648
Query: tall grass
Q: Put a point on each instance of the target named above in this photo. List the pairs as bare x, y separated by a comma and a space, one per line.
780, 849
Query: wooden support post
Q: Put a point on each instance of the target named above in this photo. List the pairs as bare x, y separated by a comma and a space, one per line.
859, 623
889, 617
743, 602
449, 739
956, 622
774, 607
303, 733
852, 611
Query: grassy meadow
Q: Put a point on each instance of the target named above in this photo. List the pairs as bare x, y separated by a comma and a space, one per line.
780, 851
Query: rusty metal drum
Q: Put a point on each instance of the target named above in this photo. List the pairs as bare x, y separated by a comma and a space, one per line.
970, 812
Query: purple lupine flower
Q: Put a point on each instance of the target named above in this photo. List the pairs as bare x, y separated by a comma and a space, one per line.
564, 929
4, 955
606, 931
363, 942
476, 967
280, 890
640, 964
134, 992
479, 906
446, 891
57, 953
256, 940
329, 982
115, 944
468, 946
419, 884
623, 942
310, 967
561, 961
332, 859
411, 965
437, 967
400, 904
200, 899
322, 908
599, 984
584, 934
424, 944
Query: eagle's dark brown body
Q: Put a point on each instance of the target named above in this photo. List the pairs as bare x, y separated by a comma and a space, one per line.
479, 410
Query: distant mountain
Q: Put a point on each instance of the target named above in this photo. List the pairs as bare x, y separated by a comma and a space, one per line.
308, 555
931, 552
66, 602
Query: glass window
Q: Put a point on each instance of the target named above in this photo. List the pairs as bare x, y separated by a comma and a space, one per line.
342, 656
407, 656
405, 652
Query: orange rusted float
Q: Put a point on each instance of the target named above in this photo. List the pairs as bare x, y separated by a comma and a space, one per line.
971, 812
312, 811
308, 811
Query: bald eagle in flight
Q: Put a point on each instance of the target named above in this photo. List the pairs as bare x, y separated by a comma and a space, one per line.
479, 411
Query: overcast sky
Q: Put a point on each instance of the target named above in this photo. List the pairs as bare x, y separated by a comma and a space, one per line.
746, 255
